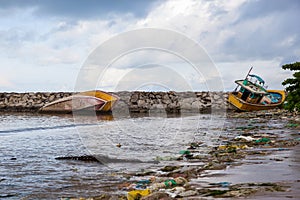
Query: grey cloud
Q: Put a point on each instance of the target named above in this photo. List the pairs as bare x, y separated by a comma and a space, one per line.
82, 8
262, 29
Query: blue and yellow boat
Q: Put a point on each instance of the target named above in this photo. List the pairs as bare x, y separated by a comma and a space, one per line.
251, 94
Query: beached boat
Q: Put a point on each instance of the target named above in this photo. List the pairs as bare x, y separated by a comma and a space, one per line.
251, 94
90, 100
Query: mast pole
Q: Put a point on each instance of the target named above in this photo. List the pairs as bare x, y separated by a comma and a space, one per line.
245, 78
249, 72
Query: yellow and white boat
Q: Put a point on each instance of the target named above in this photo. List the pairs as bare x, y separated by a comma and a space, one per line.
90, 100
251, 94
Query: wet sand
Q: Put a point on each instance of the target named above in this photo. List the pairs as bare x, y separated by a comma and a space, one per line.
288, 174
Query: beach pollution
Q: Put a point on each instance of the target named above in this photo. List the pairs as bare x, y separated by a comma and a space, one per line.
252, 155
149, 100
255, 144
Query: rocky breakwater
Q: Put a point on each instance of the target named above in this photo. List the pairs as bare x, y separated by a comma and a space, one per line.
129, 102
171, 102
28, 102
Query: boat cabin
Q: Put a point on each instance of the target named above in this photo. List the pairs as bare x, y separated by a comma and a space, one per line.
251, 94
253, 90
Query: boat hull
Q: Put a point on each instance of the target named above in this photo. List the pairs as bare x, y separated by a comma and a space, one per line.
90, 100
73, 103
242, 105
110, 99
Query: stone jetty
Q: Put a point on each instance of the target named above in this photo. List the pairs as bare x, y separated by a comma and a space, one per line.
28, 102
134, 102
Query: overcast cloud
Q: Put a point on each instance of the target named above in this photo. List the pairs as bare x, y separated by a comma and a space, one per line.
44, 44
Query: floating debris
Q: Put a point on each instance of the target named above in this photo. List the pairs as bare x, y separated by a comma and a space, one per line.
81, 158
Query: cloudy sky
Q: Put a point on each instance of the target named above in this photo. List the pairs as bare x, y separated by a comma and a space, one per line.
46, 45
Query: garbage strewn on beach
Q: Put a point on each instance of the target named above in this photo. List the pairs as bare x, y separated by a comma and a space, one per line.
255, 140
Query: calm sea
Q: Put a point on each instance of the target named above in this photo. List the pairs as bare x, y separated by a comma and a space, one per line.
29, 144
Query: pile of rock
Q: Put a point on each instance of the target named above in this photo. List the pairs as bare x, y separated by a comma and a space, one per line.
171, 102
28, 102
130, 102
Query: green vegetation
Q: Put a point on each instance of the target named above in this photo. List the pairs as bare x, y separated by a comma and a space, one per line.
293, 87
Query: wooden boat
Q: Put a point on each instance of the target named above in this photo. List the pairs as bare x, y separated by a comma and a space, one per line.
251, 94
110, 99
89, 100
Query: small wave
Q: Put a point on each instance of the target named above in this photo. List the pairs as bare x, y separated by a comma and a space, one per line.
44, 128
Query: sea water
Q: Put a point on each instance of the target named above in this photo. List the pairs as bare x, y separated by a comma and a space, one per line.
29, 144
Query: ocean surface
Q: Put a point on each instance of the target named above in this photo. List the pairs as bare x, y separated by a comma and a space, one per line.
30, 144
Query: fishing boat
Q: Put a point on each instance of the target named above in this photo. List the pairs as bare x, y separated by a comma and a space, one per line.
251, 94
97, 100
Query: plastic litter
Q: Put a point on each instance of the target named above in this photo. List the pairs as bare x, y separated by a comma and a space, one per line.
140, 185
221, 184
263, 140
175, 191
283, 149
246, 138
292, 125
137, 194
232, 148
185, 152
188, 193
194, 145
168, 183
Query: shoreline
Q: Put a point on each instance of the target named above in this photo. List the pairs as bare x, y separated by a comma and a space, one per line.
213, 176
254, 148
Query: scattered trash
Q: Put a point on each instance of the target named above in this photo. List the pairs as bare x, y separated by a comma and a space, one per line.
168, 183
142, 188
178, 189
175, 191
221, 184
263, 140
292, 125
232, 148
194, 145
245, 138
137, 194
118, 145
283, 149
166, 186
188, 193
139, 185
185, 152
81, 158
169, 168
157, 195
249, 127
